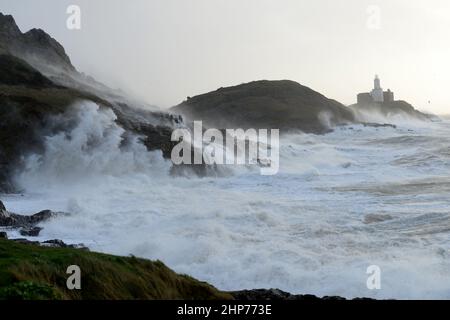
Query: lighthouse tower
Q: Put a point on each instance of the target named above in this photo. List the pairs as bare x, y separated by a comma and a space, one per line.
377, 92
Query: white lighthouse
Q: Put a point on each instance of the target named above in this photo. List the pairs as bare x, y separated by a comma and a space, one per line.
377, 92
376, 95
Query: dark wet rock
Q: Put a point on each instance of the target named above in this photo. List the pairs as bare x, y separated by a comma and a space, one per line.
379, 125
5, 219
188, 170
57, 243
41, 216
154, 137
260, 294
336, 298
30, 232
269, 294
13, 220
276, 294
26, 241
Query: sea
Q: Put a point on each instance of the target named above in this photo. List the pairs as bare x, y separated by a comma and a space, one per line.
341, 203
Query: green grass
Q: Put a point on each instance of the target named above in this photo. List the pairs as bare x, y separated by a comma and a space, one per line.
30, 272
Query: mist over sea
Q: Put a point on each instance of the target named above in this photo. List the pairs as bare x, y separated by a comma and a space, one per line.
342, 201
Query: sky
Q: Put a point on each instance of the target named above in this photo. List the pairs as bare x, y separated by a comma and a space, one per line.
165, 50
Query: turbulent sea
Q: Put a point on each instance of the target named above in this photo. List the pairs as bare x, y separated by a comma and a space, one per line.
342, 201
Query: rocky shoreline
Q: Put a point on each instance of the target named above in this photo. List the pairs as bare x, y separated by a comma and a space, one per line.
13, 220
279, 295
27, 226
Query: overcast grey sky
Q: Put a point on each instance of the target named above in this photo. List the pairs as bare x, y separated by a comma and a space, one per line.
165, 50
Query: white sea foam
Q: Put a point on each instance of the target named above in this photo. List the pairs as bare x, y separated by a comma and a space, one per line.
302, 230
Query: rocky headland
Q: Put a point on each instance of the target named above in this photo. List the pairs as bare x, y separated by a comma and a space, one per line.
283, 104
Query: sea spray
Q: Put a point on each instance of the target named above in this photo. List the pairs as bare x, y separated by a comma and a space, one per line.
94, 148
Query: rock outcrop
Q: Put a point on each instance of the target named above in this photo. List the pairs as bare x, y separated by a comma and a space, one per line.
390, 110
277, 295
30, 231
13, 220
27, 228
34, 46
282, 105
